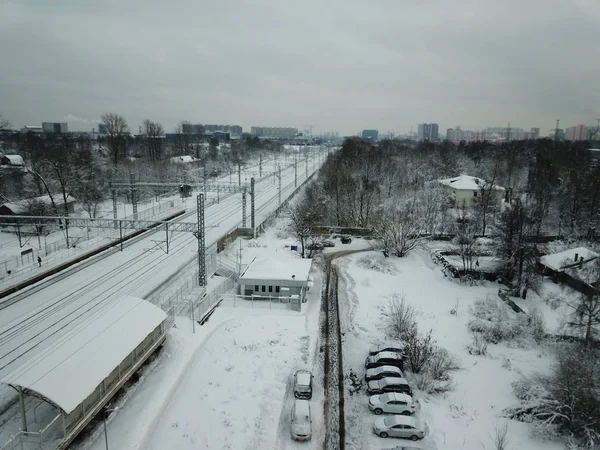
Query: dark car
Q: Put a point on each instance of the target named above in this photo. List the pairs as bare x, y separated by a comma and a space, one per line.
346, 239
303, 384
396, 348
388, 384
377, 373
385, 359
328, 244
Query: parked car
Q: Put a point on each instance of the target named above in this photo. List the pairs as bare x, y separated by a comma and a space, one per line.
388, 384
402, 448
377, 373
396, 348
393, 403
315, 246
328, 243
385, 359
346, 239
301, 421
303, 384
399, 426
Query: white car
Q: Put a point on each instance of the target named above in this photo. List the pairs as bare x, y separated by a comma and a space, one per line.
301, 421
394, 348
399, 426
377, 373
393, 403
388, 384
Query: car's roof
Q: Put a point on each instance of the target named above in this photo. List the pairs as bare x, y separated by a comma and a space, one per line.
302, 408
393, 355
384, 368
379, 347
303, 377
398, 419
397, 396
393, 380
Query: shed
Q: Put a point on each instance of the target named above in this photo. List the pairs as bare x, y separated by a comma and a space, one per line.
269, 277
467, 189
81, 372
12, 160
22, 207
558, 262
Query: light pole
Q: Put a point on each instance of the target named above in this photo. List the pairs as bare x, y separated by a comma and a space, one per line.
106, 411
193, 320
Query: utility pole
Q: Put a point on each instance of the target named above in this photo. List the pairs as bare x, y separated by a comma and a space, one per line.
556, 130
260, 165
239, 173
279, 167
252, 203
201, 242
244, 208
295, 172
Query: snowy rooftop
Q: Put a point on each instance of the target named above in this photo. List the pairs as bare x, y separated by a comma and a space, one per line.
73, 367
22, 206
287, 269
15, 160
466, 182
559, 261
183, 159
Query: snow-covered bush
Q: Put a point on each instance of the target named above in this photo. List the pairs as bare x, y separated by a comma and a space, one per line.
256, 243
399, 317
435, 377
495, 322
567, 400
378, 263
478, 346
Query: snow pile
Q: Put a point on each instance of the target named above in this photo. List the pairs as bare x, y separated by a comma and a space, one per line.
256, 243
378, 263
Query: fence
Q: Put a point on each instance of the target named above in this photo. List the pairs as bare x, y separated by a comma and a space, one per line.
46, 439
261, 302
89, 238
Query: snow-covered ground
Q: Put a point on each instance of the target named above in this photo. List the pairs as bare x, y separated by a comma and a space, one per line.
467, 416
229, 386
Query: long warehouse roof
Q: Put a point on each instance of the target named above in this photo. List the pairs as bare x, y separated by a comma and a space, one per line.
73, 367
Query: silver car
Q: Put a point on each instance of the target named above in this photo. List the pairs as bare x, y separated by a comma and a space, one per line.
393, 403
399, 426
303, 384
377, 373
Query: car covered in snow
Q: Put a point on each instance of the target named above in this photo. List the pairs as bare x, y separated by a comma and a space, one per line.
303, 384
385, 359
388, 384
402, 448
377, 373
393, 403
301, 421
328, 243
395, 348
399, 426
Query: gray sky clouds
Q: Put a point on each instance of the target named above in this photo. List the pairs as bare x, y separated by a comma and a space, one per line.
341, 65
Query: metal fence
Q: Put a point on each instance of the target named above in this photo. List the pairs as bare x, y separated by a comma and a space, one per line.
91, 238
261, 302
45, 439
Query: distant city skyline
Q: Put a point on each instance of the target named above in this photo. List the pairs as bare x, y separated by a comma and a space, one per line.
336, 65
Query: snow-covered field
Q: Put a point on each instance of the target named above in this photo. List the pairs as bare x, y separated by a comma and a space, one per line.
467, 416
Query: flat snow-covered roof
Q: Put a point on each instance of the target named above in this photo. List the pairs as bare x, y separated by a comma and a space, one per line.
558, 261
74, 366
277, 269
467, 182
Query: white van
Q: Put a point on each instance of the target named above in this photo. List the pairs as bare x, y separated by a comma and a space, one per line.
301, 421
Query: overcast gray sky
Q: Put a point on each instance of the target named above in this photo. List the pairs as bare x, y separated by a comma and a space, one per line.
340, 65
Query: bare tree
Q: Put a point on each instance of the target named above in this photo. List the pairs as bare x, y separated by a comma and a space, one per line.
585, 315
400, 318
117, 130
153, 139
305, 218
465, 237
399, 228
4, 123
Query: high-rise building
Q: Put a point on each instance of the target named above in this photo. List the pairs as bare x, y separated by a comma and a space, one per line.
451, 134
427, 131
234, 130
576, 133
55, 127
274, 132
534, 133
370, 134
